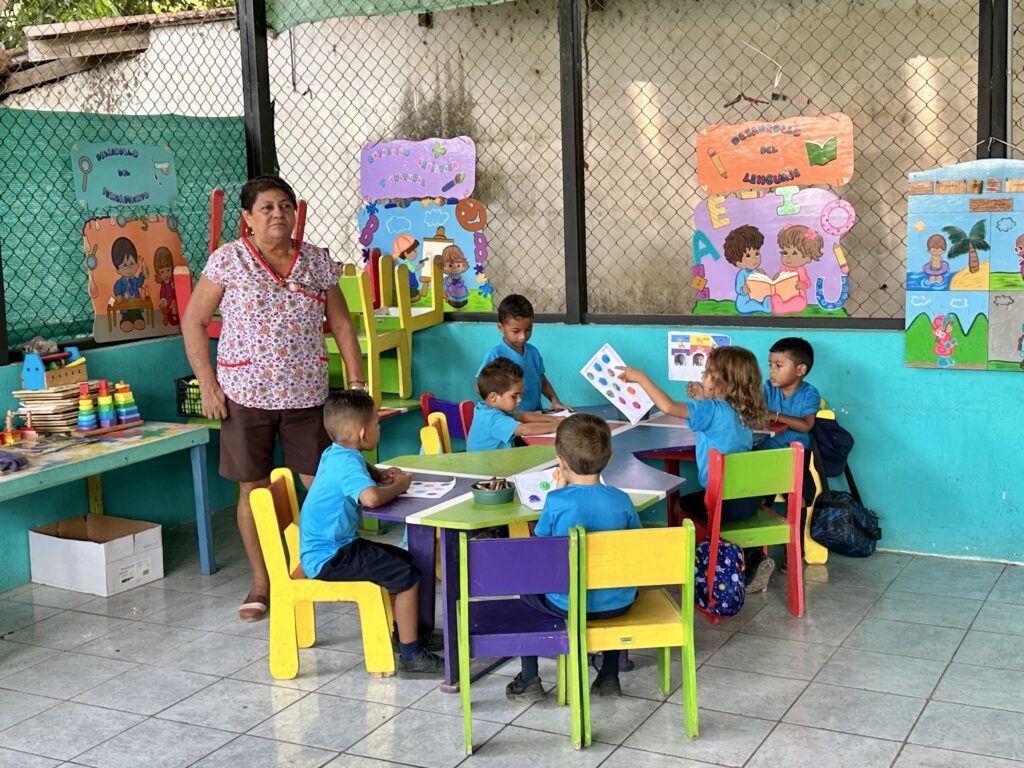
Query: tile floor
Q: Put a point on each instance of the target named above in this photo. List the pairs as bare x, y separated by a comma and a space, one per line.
902, 661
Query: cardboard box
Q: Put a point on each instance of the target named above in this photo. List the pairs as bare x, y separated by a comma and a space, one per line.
96, 554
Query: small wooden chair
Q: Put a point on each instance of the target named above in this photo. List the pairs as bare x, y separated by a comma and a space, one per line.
435, 438
393, 376
758, 473
292, 618
396, 305
648, 557
507, 568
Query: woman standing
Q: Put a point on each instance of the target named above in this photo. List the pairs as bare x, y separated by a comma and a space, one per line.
271, 373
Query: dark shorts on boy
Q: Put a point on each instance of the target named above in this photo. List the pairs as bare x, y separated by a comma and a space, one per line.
693, 506
542, 604
247, 441
383, 564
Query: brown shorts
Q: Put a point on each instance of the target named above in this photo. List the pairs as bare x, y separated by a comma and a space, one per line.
247, 441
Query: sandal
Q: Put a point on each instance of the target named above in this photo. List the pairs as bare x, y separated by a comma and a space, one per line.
254, 608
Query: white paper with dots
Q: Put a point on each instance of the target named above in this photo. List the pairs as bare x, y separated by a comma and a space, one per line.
601, 371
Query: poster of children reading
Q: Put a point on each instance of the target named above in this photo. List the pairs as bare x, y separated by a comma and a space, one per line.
772, 253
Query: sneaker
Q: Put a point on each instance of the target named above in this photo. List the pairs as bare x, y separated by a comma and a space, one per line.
426, 666
759, 581
606, 686
530, 690
431, 641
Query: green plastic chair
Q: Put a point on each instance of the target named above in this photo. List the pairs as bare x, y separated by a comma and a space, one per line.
648, 557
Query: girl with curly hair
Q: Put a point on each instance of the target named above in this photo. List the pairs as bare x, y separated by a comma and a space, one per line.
723, 412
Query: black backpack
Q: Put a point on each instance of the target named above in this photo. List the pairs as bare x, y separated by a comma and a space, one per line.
840, 522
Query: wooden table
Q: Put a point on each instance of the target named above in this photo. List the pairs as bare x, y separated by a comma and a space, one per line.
458, 512
115, 450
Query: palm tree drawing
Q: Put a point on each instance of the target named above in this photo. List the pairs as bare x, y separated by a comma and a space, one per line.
961, 242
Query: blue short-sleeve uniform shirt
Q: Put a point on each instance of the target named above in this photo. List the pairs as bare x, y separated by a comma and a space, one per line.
330, 514
596, 508
531, 363
491, 429
717, 426
803, 402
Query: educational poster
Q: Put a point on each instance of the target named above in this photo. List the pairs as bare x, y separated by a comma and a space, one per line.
761, 155
965, 266
776, 252
446, 230
123, 175
130, 266
688, 353
603, 374
415, 169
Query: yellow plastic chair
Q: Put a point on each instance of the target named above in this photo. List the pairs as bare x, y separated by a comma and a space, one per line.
814, 553
292, 618
649, 557
373, 341
396, 305
435, 437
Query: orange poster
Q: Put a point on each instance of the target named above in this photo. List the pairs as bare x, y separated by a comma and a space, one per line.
763, 154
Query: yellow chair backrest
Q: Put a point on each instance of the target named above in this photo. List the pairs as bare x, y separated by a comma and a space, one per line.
421, 320
645, 557
435, 437
276, 511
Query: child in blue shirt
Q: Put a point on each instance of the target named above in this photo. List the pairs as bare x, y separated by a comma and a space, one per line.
515, 321
496, 422
329, 545
583, 445
791, 400
722, 412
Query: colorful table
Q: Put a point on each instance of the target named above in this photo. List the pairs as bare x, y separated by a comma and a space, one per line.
115, 450
458, 512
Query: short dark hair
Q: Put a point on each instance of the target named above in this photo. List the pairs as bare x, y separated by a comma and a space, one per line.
515, 306
252, 188
121, 250
498, 376
347, 409
741, 239
584, 442
799, 351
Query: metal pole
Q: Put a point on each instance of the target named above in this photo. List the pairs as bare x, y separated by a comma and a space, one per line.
259, 115
571, 83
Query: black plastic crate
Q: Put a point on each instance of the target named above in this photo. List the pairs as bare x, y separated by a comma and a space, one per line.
190, 402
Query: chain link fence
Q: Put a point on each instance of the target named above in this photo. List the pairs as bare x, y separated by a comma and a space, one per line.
161, 79
490, 73
657, 71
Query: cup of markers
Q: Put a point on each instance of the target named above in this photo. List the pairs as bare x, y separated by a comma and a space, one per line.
494, 491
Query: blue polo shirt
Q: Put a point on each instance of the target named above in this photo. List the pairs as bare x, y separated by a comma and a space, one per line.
532, 365
596, 508
717, 426
491, 429
330, 514
803, 402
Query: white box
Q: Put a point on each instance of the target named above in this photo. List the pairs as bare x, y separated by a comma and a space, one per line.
96, 554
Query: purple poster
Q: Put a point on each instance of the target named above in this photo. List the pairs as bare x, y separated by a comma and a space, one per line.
415, 169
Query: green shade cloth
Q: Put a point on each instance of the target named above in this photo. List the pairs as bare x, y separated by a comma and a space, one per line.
41, 221
285, 14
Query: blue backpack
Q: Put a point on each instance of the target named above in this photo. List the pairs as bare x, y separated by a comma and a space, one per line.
729, 587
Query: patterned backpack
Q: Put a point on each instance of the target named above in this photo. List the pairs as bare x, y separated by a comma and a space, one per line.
729, 588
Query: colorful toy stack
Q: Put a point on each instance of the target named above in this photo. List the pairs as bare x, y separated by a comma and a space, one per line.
124, 404
87, 421
105, 406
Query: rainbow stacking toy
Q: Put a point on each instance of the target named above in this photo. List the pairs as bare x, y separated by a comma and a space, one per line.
124, 404
86, 415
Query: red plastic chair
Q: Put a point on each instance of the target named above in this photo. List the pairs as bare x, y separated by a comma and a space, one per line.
758, 473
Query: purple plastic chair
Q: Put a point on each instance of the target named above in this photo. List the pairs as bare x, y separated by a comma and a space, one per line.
494, 568
452, 411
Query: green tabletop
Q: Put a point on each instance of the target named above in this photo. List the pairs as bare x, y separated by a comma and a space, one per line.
467, 515
501, 463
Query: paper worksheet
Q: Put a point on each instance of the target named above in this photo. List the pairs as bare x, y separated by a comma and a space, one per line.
688, 353
429, 489
602, 372
533, 487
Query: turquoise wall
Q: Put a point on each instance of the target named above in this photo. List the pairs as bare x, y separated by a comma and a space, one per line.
936, 456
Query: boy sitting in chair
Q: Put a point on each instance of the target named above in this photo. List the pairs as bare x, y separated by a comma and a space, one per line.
583, 446
329, 545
